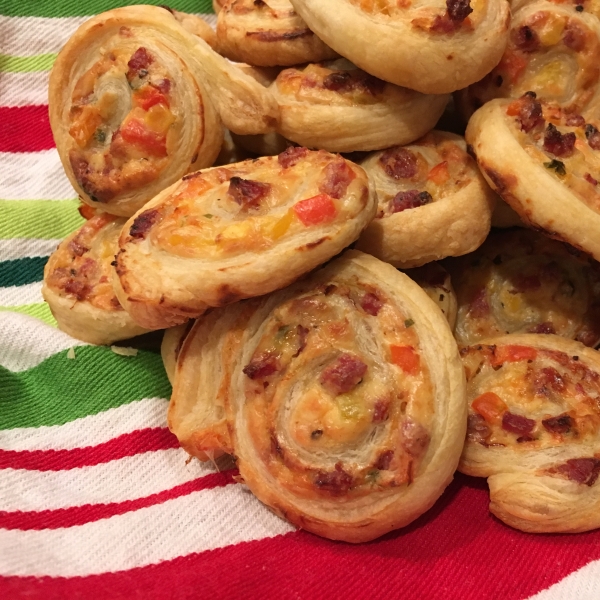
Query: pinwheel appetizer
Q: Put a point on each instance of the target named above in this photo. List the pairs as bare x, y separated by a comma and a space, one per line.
520, 281
433, 202
340, 108
342, 398
128, 110
543, 162
533, 430
78, 284
171, 345
429, 47
267, 33
435, 282
234, 232
552, 50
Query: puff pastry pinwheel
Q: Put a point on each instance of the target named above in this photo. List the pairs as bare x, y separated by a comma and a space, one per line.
544, 163
433, 202
343, 395
78, 284
552, 50
437, 284
433, 47
520, 281
234, 232
534, 430
171, 345
128, 108
338, 107
267, 33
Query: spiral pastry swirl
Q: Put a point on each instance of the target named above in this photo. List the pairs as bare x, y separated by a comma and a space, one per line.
238, 231
545, 163
344, 398
434, 47
78, 284
552, 50
337, 107
433, 202
267, 33
128, 108
534, 430
520, 281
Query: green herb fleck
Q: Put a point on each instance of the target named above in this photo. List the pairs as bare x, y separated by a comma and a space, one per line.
557, 165
408, 323
372, 475
208, 216
100, 136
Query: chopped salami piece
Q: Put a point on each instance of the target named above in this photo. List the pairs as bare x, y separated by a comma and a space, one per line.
399, 163
371, 304
458, 10
338, 176
411, 199
77, 288
590, 179
559, 144
248, 193
76, 248
575, 121
528, 111
290, 156
339, 81
164, 85
593, 137
546, 328
336, 482
302, 334
517, 424
140, 59
343, 375
574, 37
384, 460
581, 470
479, 306
415, 438
524, 283
381, 411
548, 380
560, 424
477, 429
525, 39
262, 366
142, 224
444, 24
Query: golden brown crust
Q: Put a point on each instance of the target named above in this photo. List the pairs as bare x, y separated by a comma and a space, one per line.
542, 161
433, 202
78, 288
534, 430
267, 33
552, 50
171, 345
428, 48
338, 107
358, 433
128, 108
343, 395
520, 281
234, 232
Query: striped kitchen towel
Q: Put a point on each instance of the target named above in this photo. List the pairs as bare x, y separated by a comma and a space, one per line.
96, 498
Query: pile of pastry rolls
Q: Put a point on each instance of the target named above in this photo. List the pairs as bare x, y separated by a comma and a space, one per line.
345, 325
